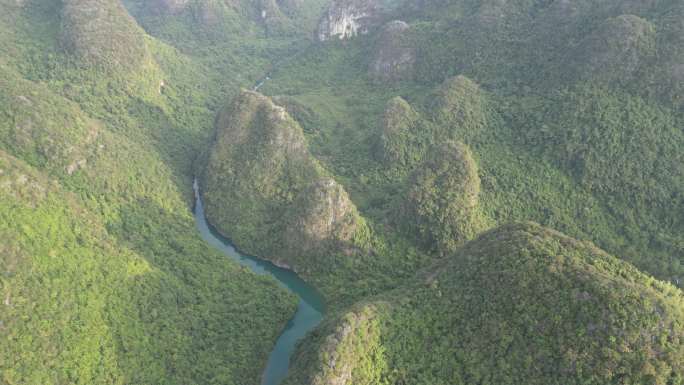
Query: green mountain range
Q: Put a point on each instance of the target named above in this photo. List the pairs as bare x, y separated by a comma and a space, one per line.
409, 158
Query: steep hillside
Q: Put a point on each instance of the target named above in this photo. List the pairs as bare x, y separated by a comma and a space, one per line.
103, 277
572, 111
260, 164
442, 202
82, 305
520, 304
269, 194
101, 33
266, 192
385, 139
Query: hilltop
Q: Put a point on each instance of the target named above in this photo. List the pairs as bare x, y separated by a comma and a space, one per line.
571, 111
519, 304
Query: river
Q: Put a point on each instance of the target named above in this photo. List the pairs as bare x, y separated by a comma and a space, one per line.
309, 311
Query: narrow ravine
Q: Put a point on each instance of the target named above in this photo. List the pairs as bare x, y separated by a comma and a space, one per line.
309, 312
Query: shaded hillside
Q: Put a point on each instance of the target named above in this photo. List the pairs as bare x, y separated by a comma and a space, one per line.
443, 200
520, 304
104, 278
572, 111
266, 192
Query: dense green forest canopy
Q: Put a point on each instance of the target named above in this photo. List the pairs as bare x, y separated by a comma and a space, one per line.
520, 304
387, 151
103, 277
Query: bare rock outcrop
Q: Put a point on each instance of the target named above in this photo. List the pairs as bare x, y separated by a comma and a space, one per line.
323, 216
395, 57
347, 18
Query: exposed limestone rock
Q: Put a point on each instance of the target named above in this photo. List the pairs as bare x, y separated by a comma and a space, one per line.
395, 57
347, 18
486, 299
323, 216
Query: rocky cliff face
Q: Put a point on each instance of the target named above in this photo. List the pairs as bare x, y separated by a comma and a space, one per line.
322, 217
395, 57
264, 190
469, 319
347, 18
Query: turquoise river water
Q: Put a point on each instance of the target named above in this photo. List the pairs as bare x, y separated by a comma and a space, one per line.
309, 312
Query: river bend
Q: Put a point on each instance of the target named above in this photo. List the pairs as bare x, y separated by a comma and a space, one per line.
309, 311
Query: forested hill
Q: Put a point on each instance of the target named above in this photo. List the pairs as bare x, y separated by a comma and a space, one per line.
384, 160
103, 277
519, 304
441, 120
573, 111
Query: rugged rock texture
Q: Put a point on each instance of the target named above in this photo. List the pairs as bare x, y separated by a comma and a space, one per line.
443, 199
395, 57
323, 217
101, 33
347, 18
520, 304
618, 49
399, 137
265, 191
354, 341
257, 167
272, 17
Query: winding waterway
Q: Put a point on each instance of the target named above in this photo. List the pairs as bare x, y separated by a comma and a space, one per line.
309, 312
